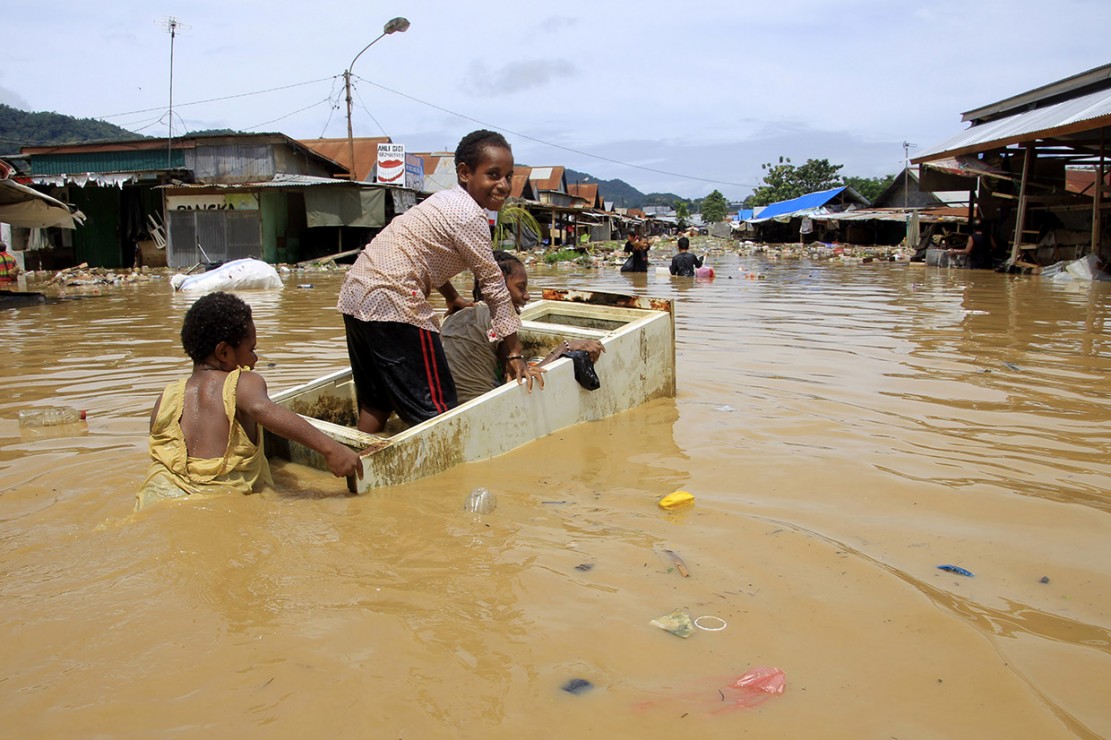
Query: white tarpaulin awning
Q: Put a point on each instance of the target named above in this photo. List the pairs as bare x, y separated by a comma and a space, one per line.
28, 208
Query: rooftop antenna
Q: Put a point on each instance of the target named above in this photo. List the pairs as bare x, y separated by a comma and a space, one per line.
172, 26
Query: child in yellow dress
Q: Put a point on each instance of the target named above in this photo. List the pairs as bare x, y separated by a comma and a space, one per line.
206, 430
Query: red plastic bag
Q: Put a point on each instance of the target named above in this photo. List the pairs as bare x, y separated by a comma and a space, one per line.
754, 687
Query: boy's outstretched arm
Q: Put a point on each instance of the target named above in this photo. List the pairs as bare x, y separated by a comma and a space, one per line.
251, 398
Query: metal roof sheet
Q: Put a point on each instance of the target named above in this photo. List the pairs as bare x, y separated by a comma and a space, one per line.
280, 180
1085, 113
339, 151
588, 191
1069, 86
548, 178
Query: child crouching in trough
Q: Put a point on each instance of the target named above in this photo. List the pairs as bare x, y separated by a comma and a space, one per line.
206, 430
479, 366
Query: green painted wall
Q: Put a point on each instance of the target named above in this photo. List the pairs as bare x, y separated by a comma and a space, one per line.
275, 219
97, 241
147, 160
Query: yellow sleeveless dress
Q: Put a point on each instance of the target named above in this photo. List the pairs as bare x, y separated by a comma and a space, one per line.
173, 474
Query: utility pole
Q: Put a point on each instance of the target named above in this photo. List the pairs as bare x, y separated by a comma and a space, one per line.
394, 25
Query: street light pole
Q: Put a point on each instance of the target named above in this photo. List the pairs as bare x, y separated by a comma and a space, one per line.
394, 25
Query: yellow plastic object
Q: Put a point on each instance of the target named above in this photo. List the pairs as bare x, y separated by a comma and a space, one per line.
675, 500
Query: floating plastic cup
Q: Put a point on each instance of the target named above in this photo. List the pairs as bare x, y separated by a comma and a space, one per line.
481, 501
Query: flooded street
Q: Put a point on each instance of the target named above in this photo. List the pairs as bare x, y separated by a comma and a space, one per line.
844, 429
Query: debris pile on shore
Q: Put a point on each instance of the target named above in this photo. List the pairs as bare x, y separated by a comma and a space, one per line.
84, 276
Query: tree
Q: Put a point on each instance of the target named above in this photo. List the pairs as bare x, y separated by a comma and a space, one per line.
714, 208
783, 181
682, 213
870, 187
817, 174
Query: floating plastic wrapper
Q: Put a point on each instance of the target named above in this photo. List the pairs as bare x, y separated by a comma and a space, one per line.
480, 501
676, 499
677, 623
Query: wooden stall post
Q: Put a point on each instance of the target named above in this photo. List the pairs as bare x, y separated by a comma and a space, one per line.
1020, 218
1097, 199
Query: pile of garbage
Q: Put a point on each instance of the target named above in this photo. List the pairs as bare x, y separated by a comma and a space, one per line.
82, 275
821, 251
1087, 268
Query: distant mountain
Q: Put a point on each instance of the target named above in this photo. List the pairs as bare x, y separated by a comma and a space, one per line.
622, 194
20, 128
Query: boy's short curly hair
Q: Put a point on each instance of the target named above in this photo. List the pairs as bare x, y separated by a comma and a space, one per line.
470, 147
214, 318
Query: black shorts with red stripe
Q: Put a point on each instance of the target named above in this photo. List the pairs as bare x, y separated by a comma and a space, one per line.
399, 367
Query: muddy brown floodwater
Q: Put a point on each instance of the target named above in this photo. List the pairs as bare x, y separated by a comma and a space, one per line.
844, 429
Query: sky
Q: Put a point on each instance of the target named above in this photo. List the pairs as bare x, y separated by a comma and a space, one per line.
669, 97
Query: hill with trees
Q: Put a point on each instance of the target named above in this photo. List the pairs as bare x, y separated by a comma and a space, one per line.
19, 128
622, 194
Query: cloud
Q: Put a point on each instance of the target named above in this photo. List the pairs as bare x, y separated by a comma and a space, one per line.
556, 23
520, 76
14, 99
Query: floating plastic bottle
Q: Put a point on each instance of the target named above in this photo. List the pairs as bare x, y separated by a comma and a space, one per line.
481, 501
47, 416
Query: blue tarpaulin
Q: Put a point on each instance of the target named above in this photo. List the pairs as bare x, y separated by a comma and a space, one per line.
806, 202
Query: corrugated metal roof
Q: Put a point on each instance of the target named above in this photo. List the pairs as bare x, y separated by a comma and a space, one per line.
808, 202
548, 178
339, 151
439, 171
521, 187
1069, 86
280, 181
588, 191
1085, 113
925, 215
1083, 181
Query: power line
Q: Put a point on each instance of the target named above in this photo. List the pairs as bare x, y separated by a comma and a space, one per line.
333, 108
556, 146
226, 97
360, 97
288, 115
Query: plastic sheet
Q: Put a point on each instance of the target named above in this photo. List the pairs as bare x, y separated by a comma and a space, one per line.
244, 274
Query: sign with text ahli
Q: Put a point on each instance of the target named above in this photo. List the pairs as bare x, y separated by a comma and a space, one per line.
391, 164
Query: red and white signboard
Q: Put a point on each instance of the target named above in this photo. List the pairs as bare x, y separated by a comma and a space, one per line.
391, 164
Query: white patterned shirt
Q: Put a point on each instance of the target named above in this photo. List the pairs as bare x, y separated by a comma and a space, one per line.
417, 252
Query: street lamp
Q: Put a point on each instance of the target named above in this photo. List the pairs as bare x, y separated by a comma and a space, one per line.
394, 25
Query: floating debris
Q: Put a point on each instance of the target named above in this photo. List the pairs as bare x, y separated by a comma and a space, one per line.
679, 564
480, 501
577, 686
677, 623
956, 569
710, 623
676, 499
